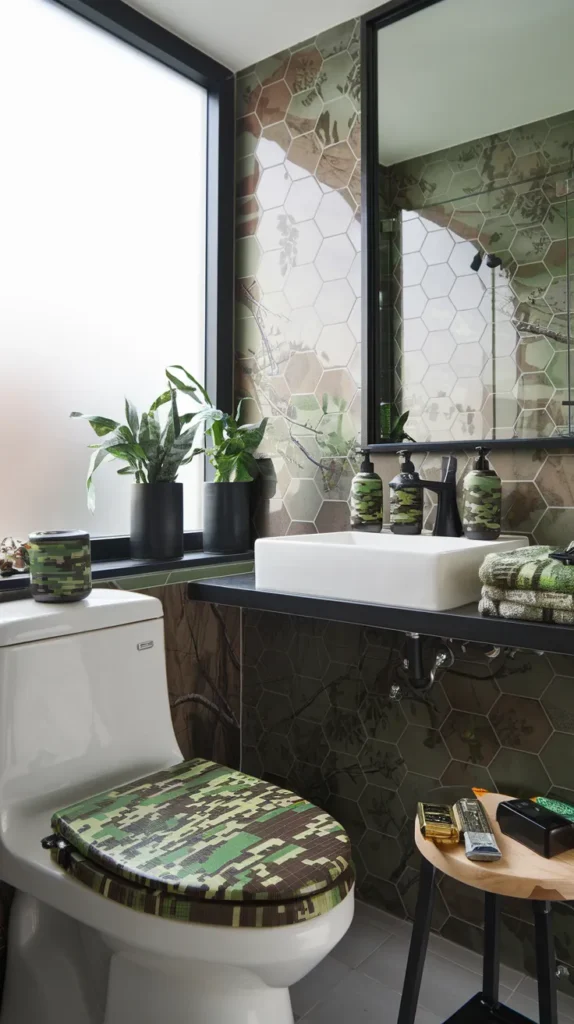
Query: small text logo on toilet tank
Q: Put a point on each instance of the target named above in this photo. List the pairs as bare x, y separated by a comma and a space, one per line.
145, 646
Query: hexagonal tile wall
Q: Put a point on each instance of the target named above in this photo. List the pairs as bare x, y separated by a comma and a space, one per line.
299, 270
490, 196
318, 697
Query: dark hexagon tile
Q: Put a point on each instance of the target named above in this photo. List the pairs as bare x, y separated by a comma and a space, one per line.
383, 719
520, 722
378, 892
429, 710
558, 759
309, 782
348, 814
563, 927
251, 763
275, 670
526, 674
344, 731
251, 687
558, 702
251, 728
344, 775
519, 774
414, 788
463, 901
307, 626
382, 855
275, 712
382, 810
308, 741
252, 647
344, 686
464, 773
469, 737
276, 754
344, 642
309, 698
382, 764
517, 944
470, 687
274, 630
424, 748
308, 655
408, 886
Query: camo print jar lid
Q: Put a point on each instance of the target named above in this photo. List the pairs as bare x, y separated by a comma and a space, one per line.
60, 566
211, 833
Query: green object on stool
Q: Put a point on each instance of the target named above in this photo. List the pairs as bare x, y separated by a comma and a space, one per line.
60, 565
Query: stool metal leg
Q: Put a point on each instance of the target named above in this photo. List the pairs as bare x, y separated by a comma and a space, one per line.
418, 946
491, 954
545, 961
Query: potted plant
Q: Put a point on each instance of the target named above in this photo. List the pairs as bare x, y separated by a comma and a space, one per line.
153, 454
226, 508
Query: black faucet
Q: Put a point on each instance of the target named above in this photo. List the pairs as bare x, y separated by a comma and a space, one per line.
447, 523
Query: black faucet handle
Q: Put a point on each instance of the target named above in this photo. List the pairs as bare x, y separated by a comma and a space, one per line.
449, 467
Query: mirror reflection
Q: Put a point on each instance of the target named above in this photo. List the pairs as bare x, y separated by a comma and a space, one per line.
476, 211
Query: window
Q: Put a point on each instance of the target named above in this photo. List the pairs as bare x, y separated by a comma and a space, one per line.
105, 277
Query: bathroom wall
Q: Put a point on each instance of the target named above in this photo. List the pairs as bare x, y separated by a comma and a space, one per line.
487, 349
298, 132
317, 718
298, 274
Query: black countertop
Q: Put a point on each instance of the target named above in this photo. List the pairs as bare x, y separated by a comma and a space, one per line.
462, 623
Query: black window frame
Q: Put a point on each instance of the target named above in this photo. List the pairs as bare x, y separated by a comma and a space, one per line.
146, 35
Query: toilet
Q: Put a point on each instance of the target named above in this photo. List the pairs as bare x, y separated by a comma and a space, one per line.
148, 889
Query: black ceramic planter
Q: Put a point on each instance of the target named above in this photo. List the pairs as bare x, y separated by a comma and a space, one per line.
226, 518
157, 521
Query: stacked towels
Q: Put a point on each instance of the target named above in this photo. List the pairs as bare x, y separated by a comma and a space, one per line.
527, 584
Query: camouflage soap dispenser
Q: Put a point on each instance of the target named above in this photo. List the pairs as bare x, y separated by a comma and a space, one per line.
406, 502
367, 498
482, 500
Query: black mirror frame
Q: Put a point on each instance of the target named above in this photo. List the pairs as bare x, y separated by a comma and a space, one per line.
372, 356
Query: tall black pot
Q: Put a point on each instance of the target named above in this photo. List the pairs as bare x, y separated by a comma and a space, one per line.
226, 518
157, 521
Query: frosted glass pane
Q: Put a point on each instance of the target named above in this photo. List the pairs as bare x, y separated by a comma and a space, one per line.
102, 246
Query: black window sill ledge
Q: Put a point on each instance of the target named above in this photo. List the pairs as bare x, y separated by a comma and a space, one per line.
121, 567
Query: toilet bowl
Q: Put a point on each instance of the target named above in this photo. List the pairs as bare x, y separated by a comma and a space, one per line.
84, 710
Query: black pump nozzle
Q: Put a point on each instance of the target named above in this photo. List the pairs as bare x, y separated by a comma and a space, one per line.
482, 460
407, 465
367, 466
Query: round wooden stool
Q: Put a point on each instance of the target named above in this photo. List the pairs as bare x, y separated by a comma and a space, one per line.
519, 873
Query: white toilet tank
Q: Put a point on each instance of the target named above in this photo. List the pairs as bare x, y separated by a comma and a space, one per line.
83, 696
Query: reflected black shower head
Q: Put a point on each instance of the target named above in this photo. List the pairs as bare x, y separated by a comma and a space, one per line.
493, 261
476, 261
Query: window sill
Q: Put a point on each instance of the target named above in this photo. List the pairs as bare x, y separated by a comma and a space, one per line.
153, 571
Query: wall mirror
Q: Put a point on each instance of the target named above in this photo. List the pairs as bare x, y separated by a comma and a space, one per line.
468, 214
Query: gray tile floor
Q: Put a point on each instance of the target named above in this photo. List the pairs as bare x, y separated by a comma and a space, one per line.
361, 981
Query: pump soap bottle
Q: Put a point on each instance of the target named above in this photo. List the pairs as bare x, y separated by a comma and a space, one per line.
367, 498
406, 502
482, 500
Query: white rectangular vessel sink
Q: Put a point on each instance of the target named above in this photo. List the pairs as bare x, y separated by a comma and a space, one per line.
432, 573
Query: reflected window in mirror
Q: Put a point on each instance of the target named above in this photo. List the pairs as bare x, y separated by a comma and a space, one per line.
476, 222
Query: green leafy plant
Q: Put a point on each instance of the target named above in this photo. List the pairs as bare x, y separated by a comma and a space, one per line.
393, 427
153, 452
231, 452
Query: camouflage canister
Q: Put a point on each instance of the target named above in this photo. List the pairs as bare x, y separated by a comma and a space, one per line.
60, 565
482, 501
406, 502
367, 498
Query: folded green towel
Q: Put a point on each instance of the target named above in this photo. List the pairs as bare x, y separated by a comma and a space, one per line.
531, 598
528, 569
528, 613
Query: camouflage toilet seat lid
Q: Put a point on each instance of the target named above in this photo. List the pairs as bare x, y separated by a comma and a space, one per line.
208, 833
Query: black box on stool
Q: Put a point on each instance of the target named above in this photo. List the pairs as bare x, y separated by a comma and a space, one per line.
540, 830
